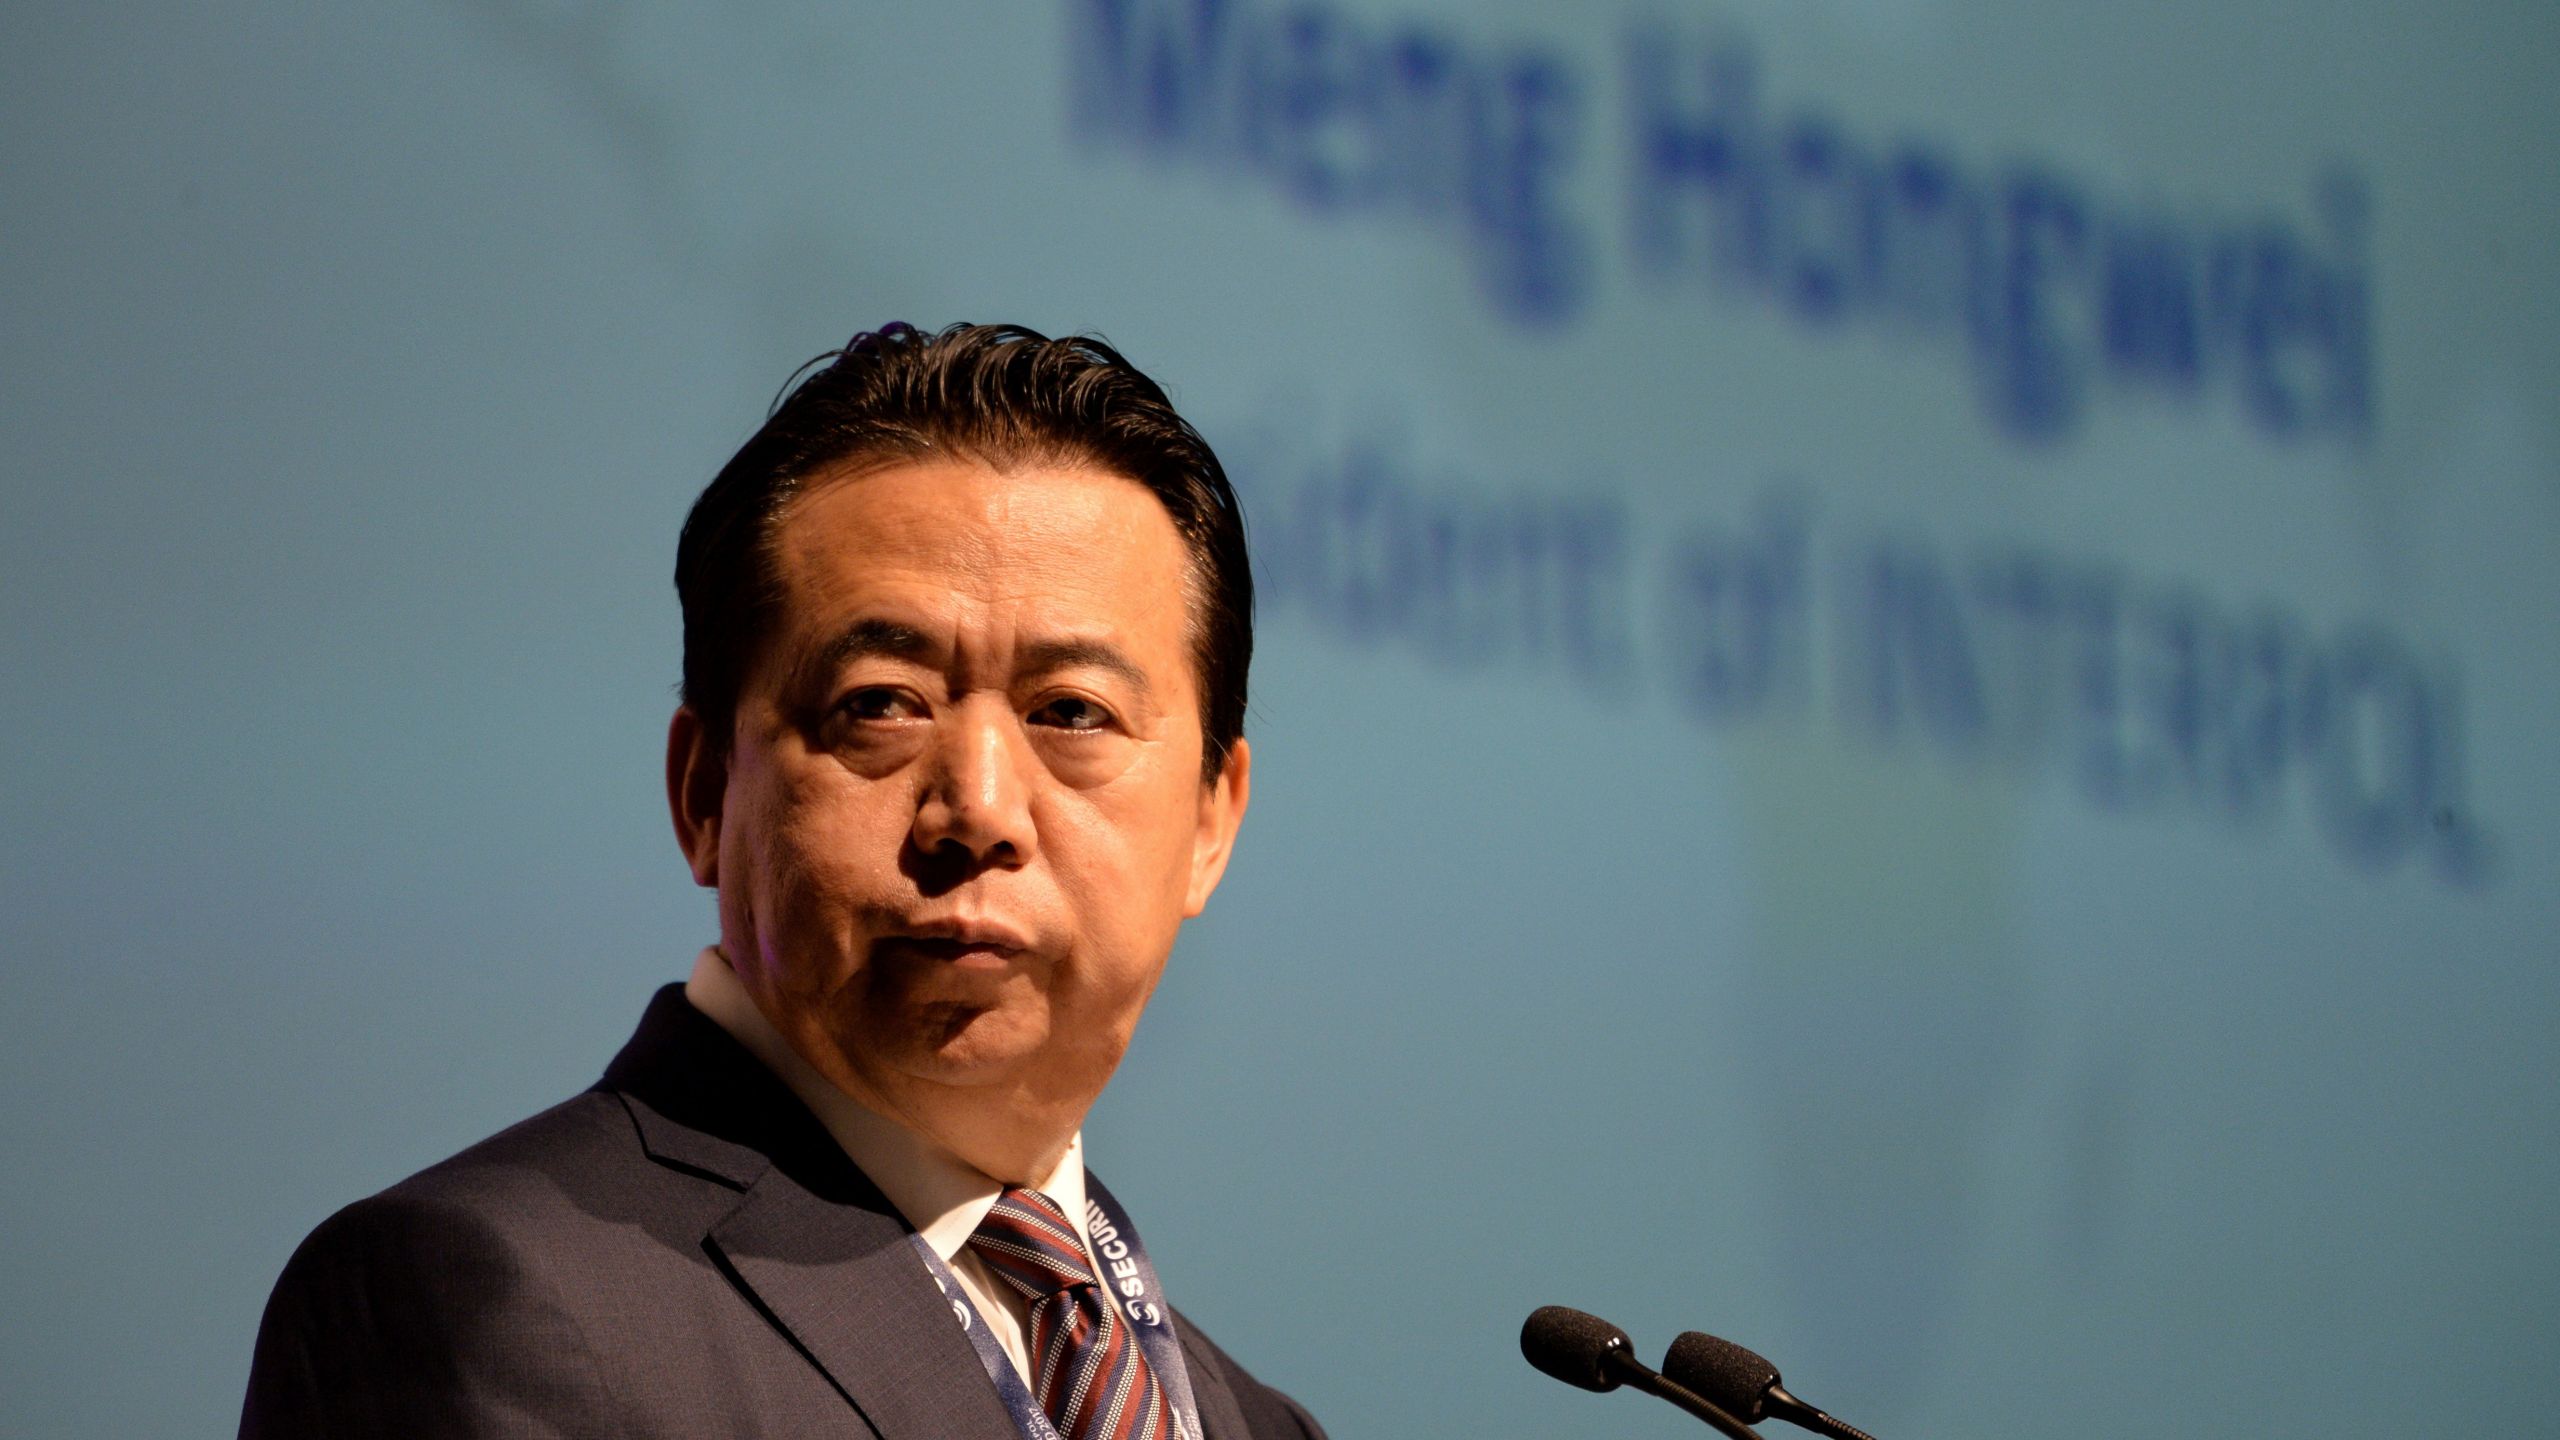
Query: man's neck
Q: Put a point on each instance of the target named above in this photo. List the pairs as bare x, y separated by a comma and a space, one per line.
1011, 1138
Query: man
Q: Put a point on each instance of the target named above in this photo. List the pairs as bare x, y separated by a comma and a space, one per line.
966, 632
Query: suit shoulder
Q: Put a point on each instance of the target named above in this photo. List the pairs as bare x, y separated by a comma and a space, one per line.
454, 1219
579, 1137
543, 1199
444, 1289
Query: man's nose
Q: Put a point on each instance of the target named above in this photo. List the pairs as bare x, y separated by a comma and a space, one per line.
976, 800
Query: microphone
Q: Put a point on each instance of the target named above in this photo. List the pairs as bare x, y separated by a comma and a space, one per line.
1737, 1380
1588, 1352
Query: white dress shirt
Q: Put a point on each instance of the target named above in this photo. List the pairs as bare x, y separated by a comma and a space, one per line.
942, 1196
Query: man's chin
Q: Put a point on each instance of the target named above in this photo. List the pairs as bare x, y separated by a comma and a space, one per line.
963, 1044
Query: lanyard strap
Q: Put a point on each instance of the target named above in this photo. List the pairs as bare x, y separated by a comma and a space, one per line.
1127, 1277
1131, 1278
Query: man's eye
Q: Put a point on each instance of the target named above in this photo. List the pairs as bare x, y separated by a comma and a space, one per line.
875, 703
1071, 712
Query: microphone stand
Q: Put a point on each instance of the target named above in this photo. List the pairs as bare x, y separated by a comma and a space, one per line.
1632, 1371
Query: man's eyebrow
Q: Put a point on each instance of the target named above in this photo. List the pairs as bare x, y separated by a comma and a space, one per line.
877, 637
1044, 656
859, 640
865, 638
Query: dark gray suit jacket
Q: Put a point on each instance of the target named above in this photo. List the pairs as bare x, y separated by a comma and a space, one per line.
682, 1251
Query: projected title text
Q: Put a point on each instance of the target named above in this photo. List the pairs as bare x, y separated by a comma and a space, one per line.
2143, 694
2053, 293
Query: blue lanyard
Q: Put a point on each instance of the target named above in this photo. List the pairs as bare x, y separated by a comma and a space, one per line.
1131, 1282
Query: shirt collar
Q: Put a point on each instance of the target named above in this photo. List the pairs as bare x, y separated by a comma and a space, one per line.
943, 1196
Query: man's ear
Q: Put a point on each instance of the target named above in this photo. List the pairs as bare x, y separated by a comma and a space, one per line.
697, 783
1222, 803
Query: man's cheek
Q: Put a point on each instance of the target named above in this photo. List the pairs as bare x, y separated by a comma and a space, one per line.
836, 853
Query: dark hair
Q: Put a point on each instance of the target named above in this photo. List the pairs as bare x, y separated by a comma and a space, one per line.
1000, 394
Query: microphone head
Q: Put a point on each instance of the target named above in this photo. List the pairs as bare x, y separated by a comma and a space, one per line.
1737, 1381
1573, 1346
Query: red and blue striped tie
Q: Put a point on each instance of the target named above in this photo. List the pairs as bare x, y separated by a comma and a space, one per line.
1089, 1376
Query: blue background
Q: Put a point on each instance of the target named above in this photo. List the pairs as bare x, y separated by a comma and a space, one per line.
1986, 830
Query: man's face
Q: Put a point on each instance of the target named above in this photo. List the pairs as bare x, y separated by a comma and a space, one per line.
962, 814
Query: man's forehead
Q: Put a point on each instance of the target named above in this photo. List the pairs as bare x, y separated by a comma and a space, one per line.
965, 511
1060, 556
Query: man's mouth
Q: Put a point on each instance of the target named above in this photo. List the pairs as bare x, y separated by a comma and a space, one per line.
969, 945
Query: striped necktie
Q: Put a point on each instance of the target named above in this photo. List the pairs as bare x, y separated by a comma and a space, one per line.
1090, 1375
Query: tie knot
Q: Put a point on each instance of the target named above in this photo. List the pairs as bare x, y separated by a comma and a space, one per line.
1026, 1238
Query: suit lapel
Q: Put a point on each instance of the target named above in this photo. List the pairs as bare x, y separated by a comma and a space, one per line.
815, 1246
844, 1282
1220, 1416
811, 1242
